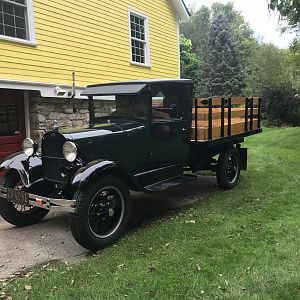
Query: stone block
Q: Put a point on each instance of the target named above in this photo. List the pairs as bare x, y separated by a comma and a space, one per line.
56, 116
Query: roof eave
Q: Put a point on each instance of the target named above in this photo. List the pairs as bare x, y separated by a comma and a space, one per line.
182, 10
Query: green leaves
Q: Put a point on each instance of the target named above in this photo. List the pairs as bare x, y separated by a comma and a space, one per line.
200, 31
223, 67
289, 10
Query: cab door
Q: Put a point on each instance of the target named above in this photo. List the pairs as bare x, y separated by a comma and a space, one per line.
169, 142
12, 122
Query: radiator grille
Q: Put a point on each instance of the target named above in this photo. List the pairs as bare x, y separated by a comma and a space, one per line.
53, 158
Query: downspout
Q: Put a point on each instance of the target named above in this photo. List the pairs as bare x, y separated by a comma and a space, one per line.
72, 93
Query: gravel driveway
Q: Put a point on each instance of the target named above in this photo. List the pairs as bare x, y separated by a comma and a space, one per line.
51, 240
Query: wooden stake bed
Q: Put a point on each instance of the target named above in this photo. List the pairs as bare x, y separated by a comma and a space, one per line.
217, 117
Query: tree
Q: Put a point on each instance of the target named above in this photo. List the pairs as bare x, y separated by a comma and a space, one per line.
266, 67
243, 34
198, 28
295, 64
271, 75
289, 10
189, 62
223, 73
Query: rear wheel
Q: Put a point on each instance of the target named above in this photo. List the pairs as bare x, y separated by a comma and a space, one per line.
103, 212
229, 168
15, 214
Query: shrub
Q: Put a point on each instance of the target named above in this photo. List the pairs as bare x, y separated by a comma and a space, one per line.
280, 105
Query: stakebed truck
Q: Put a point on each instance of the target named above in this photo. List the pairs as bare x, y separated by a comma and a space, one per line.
156, 136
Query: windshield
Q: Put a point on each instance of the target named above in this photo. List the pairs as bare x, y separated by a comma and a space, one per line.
133, 106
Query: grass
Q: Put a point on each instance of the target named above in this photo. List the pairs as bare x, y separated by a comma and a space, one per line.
235, 244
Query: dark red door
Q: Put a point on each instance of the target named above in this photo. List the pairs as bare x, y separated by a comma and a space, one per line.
12, 122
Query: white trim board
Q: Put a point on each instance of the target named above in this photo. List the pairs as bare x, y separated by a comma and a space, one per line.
181, 9
47, 90
179, 54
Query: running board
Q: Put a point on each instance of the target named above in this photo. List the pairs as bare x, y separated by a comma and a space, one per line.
169, 183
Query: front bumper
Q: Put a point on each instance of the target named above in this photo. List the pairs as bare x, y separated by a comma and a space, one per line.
50, 204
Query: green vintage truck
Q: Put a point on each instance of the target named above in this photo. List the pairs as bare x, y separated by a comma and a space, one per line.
154, 138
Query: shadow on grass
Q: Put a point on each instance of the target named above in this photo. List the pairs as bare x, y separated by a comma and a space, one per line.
149, 207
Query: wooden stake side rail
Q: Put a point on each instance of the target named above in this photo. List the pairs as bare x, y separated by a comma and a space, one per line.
215, 118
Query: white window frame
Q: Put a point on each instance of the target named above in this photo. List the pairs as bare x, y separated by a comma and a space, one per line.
147, 63
30, 27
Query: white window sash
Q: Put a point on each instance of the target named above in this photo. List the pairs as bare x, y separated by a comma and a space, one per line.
15, 3
145, 42
29, 25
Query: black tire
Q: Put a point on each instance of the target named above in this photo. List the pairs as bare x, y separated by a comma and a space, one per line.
229, 168
10, 212
103, 212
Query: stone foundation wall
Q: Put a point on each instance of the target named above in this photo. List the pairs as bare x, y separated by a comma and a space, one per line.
44, 111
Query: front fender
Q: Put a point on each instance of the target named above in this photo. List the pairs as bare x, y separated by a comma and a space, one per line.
29, 168
87, 173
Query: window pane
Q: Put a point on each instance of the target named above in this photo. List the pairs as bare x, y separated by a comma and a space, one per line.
20, 11
9, 20
20, 22
21, 34
9, 31
8, 8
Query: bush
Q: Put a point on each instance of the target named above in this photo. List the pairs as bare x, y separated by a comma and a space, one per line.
280, 105
296, 118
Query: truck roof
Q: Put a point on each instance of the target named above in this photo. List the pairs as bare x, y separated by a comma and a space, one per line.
128, 87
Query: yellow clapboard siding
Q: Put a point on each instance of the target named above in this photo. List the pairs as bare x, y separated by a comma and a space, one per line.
69, 62
92, 18
92, 39
92, 9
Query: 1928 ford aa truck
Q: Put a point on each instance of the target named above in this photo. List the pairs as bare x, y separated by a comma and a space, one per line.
155, 134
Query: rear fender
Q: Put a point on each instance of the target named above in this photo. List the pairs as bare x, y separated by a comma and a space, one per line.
101, 168
29, 168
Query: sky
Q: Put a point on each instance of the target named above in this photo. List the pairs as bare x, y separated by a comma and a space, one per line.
255, 12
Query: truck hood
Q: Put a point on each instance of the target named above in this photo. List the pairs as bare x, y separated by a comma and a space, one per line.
102, 140
90, 132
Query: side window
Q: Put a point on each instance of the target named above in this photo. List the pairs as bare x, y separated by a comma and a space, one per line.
139, 39
166, 106
16, 20
9, 120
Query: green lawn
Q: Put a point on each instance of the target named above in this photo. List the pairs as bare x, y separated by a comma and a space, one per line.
244, 243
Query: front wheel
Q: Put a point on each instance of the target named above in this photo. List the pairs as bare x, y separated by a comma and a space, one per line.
229, 168
15, 214
102, 215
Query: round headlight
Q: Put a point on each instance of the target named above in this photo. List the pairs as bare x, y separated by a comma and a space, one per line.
70, 151
29, 147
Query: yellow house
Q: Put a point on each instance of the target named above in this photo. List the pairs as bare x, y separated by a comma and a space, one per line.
51, 49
